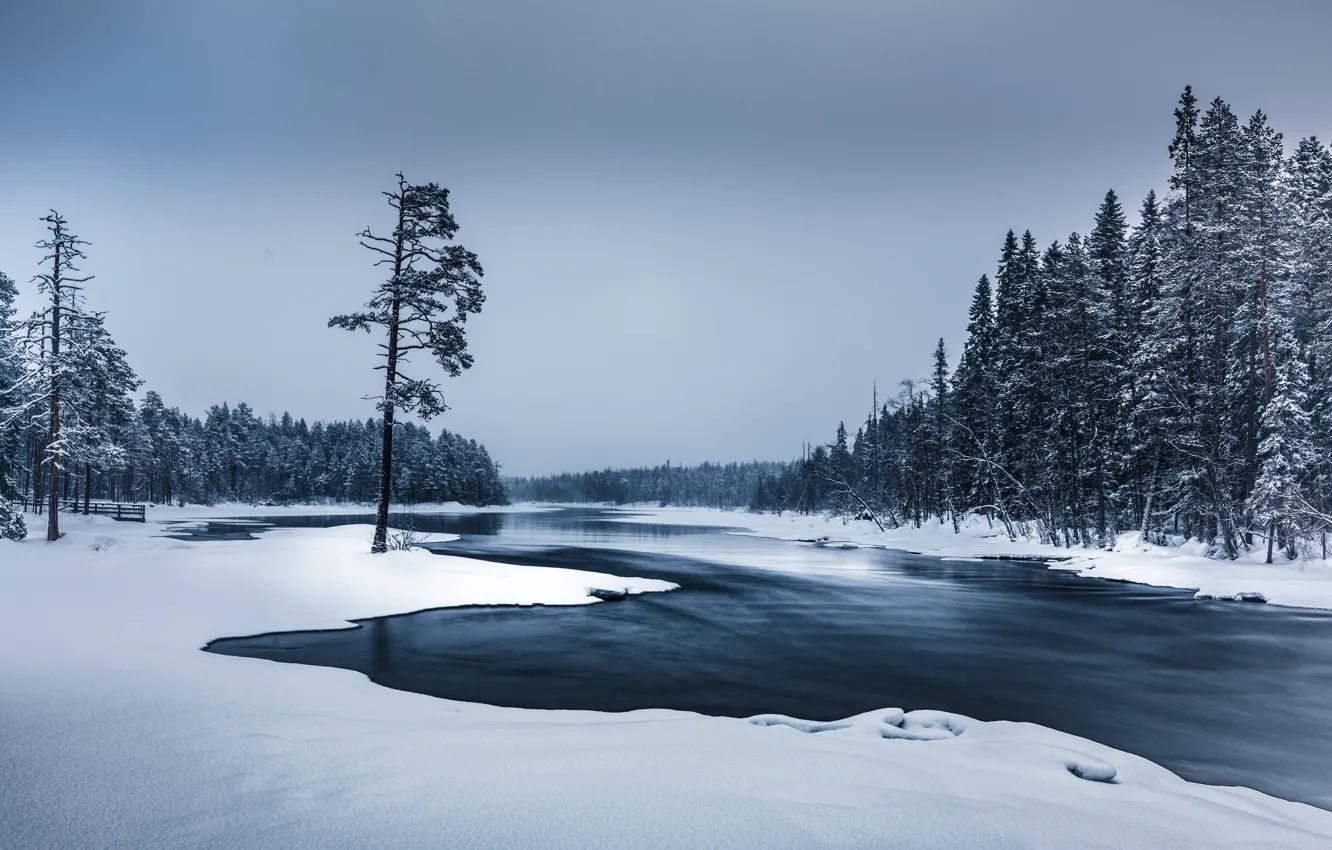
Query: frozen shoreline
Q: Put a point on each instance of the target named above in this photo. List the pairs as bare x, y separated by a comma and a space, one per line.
121, 733
1300, 584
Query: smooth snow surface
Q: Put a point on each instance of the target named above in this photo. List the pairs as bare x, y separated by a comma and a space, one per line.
117, 732
1301, 584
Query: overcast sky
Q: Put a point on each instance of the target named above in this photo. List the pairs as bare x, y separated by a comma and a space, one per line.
708, 226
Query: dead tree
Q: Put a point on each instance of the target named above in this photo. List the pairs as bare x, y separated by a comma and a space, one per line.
842, 487
55, 322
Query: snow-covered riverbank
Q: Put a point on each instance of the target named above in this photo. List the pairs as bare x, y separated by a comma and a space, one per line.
118, 732
1303, 584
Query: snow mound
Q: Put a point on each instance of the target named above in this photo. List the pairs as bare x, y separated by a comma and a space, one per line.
1084, 766
883, 723
1240, 596
893, 723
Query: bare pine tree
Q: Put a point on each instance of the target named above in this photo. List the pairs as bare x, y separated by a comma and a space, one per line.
422, 306
55, 323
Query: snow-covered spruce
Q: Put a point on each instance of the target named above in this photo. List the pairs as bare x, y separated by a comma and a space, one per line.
69, 381
12, 525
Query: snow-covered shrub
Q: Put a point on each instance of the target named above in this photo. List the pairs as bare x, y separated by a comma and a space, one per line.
12, 526
406, 537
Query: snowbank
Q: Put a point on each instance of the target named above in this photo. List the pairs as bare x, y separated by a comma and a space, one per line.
117, 732
1303, 584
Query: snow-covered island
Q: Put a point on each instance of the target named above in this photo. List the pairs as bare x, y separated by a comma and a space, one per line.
120, 733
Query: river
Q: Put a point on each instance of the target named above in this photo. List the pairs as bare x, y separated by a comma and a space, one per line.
1220, 692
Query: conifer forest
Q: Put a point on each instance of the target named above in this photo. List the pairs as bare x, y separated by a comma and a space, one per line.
1170, 377
62, 364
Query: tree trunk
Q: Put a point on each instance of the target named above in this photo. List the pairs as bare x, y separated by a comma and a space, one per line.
38, 482
1267, 336
1102, 524
53, 520
380, 543
1145, 535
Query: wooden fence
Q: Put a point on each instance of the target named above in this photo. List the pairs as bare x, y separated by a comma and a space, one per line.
115, 510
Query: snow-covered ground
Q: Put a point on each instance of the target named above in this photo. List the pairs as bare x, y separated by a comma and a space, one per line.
1302, 583
117, 732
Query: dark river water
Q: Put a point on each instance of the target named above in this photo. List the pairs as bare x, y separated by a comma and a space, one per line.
1220, 692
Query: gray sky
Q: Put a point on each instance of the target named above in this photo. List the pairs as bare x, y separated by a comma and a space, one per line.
707, 225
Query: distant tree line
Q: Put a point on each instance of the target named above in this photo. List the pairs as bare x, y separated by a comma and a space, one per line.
164, 456
70, 429
233, 455
1173, 378
711, 485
